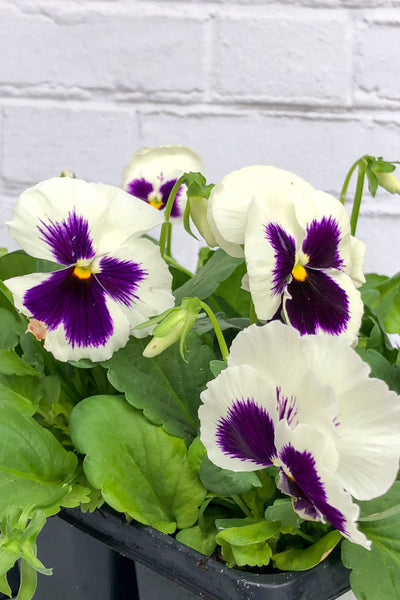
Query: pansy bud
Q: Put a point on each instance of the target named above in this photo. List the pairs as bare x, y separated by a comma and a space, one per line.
198, 212
173, 327
389, 182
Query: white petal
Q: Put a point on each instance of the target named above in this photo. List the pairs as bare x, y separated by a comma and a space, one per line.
171, 161
19, 285
126, 216
368, 421
233, 384
357, 261
276, 352
52, 201
154, 291
230, 200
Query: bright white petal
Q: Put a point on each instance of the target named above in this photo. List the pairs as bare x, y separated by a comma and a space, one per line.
232, 385
276, 352
170, 161
357, 261
230, 200
368, 420
19, 285
126, 216
154, 291
52, 201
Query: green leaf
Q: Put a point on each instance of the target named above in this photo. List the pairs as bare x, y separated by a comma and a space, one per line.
196, 454
247, 545
378, 508
21, 393
165, 387
34, 468
376, 572
12, 364
208, 278
302, 559
216, 366
233, 294
201, 541
8, 329
19, 263
141, 470
224, 482
282, 510
381, 368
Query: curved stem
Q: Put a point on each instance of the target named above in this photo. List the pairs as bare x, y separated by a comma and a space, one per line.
358, 196
242, 505
221, 340
171, 261
347, 180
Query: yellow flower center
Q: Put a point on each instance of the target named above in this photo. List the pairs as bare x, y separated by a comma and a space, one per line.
155, 199
299, 273
83, 272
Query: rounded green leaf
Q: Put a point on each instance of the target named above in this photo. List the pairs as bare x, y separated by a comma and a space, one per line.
165, 387
141, 470
34, 468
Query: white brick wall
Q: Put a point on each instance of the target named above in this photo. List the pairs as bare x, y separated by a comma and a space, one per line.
305, 85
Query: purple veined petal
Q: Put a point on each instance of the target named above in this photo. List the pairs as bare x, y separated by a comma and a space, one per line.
140, 188
238, 418
316, 304
165, 191
247, 432
306, 488
285, 251
120, 279
69, 239
287, 407
321, 244
78, 304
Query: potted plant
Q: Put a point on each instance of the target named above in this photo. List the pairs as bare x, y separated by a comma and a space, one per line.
247, 412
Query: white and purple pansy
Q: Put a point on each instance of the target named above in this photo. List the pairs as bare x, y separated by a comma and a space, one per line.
300, 257
303, 265
152, 173
307, 405
110, 280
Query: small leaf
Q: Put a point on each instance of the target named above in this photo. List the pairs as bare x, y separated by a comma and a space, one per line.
208, 278
216, 366
224, 482
201, 541
282, 510
12, 364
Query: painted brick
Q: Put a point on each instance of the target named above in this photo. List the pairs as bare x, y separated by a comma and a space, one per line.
289, 58
40, 142
377, 49
104, 52
318, 148
383, 251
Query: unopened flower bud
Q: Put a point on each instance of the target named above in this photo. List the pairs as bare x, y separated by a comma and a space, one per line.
198, 212
389, 182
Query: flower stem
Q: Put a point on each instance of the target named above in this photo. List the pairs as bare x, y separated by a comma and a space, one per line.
166, 229
242, 505
358, 195
171, 261
347, 180
221, 340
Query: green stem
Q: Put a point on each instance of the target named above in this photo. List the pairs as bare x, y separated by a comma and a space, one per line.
166, 229
217, 329
242, 505
171, 261
347, 180
358, 195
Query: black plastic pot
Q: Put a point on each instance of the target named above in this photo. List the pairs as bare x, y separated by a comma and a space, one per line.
85, 569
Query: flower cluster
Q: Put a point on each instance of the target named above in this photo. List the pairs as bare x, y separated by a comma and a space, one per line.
271, 363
